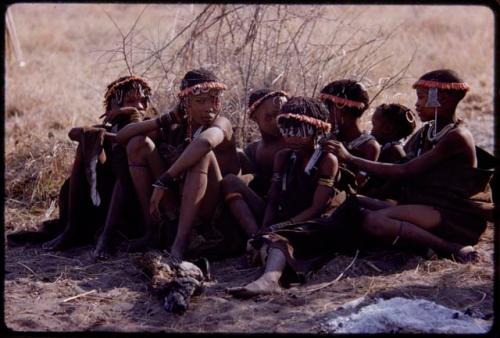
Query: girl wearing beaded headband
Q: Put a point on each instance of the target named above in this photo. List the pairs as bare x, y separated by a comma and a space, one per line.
98, 188
127, 95
346, 101
295, 195
245, 198
445, 199
196, 173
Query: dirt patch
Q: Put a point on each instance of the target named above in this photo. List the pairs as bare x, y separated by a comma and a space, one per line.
40, 290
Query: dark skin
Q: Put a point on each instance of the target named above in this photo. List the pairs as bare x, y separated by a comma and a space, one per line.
205, 161
349, 127
249, 210
275, 261
418, 219
385, 132
132, 103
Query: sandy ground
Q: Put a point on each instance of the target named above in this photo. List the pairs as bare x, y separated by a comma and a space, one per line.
38, 285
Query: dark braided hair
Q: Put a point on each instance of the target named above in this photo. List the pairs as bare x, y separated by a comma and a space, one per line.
258, 96
348, 89
400, 116
117, 89
197, 76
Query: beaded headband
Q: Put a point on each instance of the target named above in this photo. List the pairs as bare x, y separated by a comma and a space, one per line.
201, 88
254, 105
341, 100
138, 83
322, 125
441, 85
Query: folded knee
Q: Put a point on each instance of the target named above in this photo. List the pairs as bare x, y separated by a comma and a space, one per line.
373, 224
230, 183
139, 146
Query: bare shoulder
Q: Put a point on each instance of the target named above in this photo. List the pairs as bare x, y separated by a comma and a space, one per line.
328, 164
459, 136
370, 149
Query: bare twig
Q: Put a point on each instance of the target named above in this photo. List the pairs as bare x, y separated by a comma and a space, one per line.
80, 295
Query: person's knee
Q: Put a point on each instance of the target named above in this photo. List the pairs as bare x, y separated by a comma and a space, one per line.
230, 183
138, 147
373, 224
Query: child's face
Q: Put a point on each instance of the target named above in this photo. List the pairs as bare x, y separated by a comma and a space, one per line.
205, 107
299, 142
382, 130
265, 115
134, 99
427, 113
336, 117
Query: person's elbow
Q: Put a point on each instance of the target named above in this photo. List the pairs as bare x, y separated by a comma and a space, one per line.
122, 136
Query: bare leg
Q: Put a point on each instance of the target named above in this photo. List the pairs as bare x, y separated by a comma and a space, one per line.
268, 283
145, 165
102, 250
373, 203
247, 210
201, 194
413, 223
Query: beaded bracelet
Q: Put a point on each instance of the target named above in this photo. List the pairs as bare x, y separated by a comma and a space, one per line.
165, 182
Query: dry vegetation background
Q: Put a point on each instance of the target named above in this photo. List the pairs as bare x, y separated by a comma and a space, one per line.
73, 50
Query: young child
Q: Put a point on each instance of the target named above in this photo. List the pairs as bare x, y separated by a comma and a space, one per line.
99, 187
445, 199
299, 191
247, 202
391, 123
346, 101
203, 148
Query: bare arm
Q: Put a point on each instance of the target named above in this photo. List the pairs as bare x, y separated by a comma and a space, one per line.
207, 141
272, 202
453, 144
370, 151
327, 168
134, 129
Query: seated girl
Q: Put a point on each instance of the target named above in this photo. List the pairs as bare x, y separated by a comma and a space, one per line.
199, 150
247, 201
346, 101
391, 123
301, 188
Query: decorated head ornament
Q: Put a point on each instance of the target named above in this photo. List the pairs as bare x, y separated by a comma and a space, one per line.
342, 101
200, 81
116, 90
303, 117
259, 96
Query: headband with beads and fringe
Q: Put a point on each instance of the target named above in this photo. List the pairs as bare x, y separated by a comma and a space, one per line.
115, 91
254, 105
342, 101
441, 85
311, 121
199, 88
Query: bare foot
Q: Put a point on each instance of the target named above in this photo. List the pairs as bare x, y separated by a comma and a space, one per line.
61, 242
101, 251
466, 254
260, 286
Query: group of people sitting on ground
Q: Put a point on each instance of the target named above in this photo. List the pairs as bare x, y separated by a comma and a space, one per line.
314, 184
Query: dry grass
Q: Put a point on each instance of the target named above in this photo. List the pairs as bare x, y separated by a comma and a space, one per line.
67, 50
